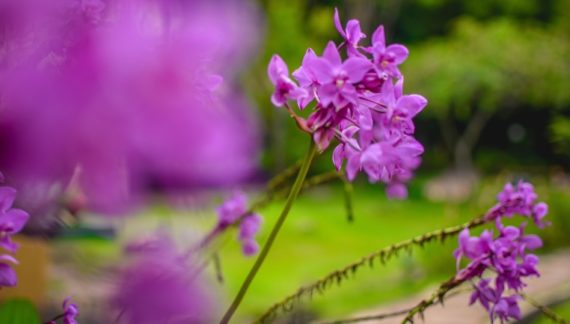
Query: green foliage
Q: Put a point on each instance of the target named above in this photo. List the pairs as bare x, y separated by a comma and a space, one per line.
560, 129
18, 311
490, 66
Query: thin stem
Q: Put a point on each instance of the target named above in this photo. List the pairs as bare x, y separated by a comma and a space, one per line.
218, 267
347, 186
382, 316
436, 297
55, 318
545, 310
283, 176
259, 261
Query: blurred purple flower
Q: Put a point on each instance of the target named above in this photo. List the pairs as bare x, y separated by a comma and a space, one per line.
233, 211
160, 286
7, 274
12, 220
285, 88
129, 95
247, 231
70, 310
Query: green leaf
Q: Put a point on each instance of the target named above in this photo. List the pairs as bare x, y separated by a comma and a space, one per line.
19, 311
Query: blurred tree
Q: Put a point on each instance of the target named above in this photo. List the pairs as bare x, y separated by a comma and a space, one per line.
482, 69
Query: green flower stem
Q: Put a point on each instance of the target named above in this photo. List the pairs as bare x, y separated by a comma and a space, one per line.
263, 254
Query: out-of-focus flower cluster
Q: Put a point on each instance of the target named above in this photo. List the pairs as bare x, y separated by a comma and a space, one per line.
127, 96
161, 285
12, 220
235, 210
360, 101
505, 256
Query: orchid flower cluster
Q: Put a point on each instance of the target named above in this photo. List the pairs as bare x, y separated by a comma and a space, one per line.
234, 210
359, 101
505, 256
12, 220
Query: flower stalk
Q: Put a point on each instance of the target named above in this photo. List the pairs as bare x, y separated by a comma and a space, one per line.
298, 184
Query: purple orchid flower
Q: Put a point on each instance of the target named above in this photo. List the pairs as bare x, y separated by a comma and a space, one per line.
285, 88
387, 59
306, 79
357, 103
163, 287
337, 78
352, 34
400, 109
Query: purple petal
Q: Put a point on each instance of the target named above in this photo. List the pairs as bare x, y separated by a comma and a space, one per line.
249, 227
399, 53
397, 191
338, 24
276, 68
8, 258
327, 94
412, 104
14, 220
249, 247
378, 38
352, 166
510, 232
331, 54
399, 88
532, 242
356, 68
7, 197
321, 69
353, 32
9, 245
323, 138
338, 156
7, 276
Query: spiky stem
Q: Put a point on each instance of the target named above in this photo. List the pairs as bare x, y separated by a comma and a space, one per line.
383, 255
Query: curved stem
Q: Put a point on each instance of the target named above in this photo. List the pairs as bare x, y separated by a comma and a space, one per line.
259, 261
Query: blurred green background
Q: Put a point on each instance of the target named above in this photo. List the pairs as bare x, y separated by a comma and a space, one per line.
497, 77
